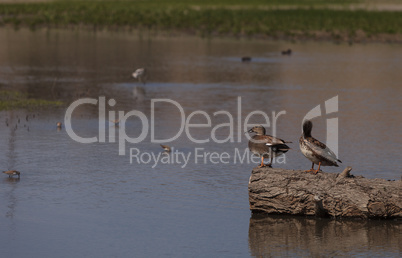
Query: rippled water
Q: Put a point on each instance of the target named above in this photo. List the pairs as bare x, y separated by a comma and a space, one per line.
77, 199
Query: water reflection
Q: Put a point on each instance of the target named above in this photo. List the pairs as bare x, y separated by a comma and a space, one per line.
300, 236
139, 93
12, 123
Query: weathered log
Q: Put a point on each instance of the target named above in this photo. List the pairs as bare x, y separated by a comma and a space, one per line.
295, 192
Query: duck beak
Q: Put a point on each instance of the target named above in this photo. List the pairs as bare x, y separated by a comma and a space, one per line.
249, 131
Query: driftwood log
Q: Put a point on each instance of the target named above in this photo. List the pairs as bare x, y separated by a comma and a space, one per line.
280, 191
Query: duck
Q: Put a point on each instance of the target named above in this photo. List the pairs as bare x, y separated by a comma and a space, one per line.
316, 151
287, 52
141, 75
246, 59
59, 124
166, 148
12, 173
266, 146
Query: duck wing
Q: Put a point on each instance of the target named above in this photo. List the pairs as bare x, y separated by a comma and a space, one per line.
271, 140
276, 144
321, 149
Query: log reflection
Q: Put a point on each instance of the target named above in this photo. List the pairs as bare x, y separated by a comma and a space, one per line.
282, 235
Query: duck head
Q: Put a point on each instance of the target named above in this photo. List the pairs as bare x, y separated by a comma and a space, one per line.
258, 129
307, 127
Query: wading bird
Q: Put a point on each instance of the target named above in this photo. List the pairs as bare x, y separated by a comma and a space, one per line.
166, 148
115, 122
316, 151
266, 146
141, 75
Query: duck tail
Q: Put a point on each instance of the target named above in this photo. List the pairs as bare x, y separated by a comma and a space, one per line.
283, 147
339, 160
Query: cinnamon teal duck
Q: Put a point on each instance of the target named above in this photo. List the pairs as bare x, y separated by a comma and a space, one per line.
316, 151
266, 146
12, 173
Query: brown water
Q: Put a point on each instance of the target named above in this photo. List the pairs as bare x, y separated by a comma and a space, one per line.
77, 199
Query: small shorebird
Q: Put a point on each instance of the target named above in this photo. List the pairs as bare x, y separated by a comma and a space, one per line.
266, 146
12, 173
166, 148
141, 75
115, 122
287, 52
316, 151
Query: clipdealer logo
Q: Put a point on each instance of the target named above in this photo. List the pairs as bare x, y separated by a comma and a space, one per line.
199, 155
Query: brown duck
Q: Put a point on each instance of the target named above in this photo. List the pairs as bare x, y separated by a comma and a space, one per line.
12, 173
266, 146
316, 151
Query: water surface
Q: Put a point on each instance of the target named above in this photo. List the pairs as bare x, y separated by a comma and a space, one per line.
77, 199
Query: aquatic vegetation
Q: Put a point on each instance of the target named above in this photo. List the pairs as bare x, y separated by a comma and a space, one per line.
224, 17
17, 100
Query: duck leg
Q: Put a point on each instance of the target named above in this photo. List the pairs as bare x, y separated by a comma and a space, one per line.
262, 162
270, 162
311, 169
319, 165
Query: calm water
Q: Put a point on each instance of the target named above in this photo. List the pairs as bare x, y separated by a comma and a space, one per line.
76, 199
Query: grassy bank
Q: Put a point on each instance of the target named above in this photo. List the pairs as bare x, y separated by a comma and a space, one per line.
223, 17
17, 100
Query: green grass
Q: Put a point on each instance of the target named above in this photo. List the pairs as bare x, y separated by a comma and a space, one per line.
208, 17
17, 100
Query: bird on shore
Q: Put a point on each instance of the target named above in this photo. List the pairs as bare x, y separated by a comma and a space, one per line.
141, 75
316, 151
266, 146
166, 148
12, 173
